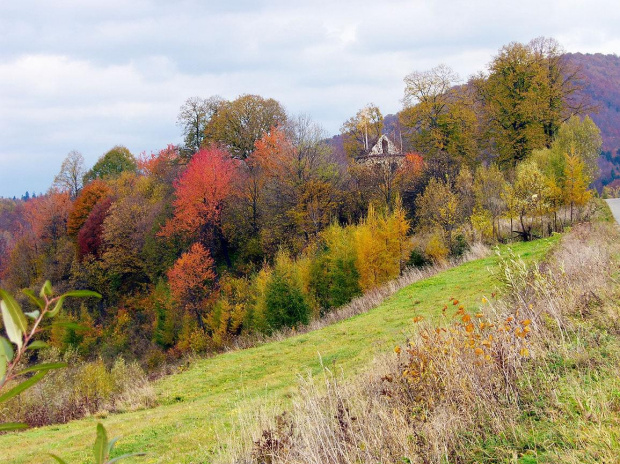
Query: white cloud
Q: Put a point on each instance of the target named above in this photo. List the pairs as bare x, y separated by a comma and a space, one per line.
89, 75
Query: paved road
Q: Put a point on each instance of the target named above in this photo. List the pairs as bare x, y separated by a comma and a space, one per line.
614, 205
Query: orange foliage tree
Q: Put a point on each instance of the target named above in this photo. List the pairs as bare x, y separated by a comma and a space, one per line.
85, 202
271, 157
382, 246
161, 165
191, 281
47, 215
201, 192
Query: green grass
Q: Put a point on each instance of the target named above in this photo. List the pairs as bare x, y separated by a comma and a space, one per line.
198, 405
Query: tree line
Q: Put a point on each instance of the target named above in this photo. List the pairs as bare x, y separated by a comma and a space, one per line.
257, 223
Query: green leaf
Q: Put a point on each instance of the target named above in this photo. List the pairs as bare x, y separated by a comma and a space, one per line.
26, 384
30, 294
59, 460
14, 320
6, 355
10, 325
101, 445
43, 367
124, 456
111, 444
46, 290
6, 348
3, 366
82, 293
15, 310
33, 314
57, 307
12, 426
37, 344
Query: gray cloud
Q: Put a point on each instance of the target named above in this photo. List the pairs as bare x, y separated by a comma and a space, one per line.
90, 75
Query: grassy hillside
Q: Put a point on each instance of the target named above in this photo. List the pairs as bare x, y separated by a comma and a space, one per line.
196, 406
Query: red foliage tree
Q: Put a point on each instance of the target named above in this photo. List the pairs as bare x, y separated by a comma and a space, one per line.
90, 237
272, 156
85, 202
191, 280
201, 192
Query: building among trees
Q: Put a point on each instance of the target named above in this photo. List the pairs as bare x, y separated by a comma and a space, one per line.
383, 152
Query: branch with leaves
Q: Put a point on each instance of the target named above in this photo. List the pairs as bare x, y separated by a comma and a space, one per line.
21, 334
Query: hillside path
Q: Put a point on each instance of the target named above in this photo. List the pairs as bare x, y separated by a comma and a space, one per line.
614, 205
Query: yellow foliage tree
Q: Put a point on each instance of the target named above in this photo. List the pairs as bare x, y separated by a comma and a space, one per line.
382, 246
439, 207
531, 194
576, 182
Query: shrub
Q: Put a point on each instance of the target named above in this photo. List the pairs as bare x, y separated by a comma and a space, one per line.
83, 388
285, 305
417, 259
459, 246
435, 248
334, 280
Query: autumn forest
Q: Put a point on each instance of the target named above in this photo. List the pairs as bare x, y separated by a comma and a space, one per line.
261, 221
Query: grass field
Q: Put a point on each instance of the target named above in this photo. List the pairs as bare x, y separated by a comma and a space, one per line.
199, 404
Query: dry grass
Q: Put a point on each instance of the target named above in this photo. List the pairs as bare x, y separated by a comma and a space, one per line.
82, 389
529, 376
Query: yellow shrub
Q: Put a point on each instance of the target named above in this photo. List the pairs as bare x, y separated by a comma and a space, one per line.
436, 249
482, 222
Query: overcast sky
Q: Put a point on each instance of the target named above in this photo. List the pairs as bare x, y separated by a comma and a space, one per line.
90, 74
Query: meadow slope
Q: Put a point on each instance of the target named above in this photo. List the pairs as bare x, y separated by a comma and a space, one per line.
197, 405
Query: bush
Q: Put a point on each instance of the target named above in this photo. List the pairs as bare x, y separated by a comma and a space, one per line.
285, 304
459, 246
335, 282
83, 388
417, 259
435, 249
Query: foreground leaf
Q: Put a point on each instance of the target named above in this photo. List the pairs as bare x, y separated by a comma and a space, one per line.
43, 367
6, 348
101, 445
13, 322
124, 456
36, 300
37, 344
111, 444
26, 384
82, 293
6, 355
33, 314
3, 366
14, 310
46, 290
57, 307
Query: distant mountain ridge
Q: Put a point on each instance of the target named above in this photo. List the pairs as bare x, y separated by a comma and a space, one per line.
601, 74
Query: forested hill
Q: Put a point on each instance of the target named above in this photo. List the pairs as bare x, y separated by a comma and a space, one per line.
601, 76
602, 85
